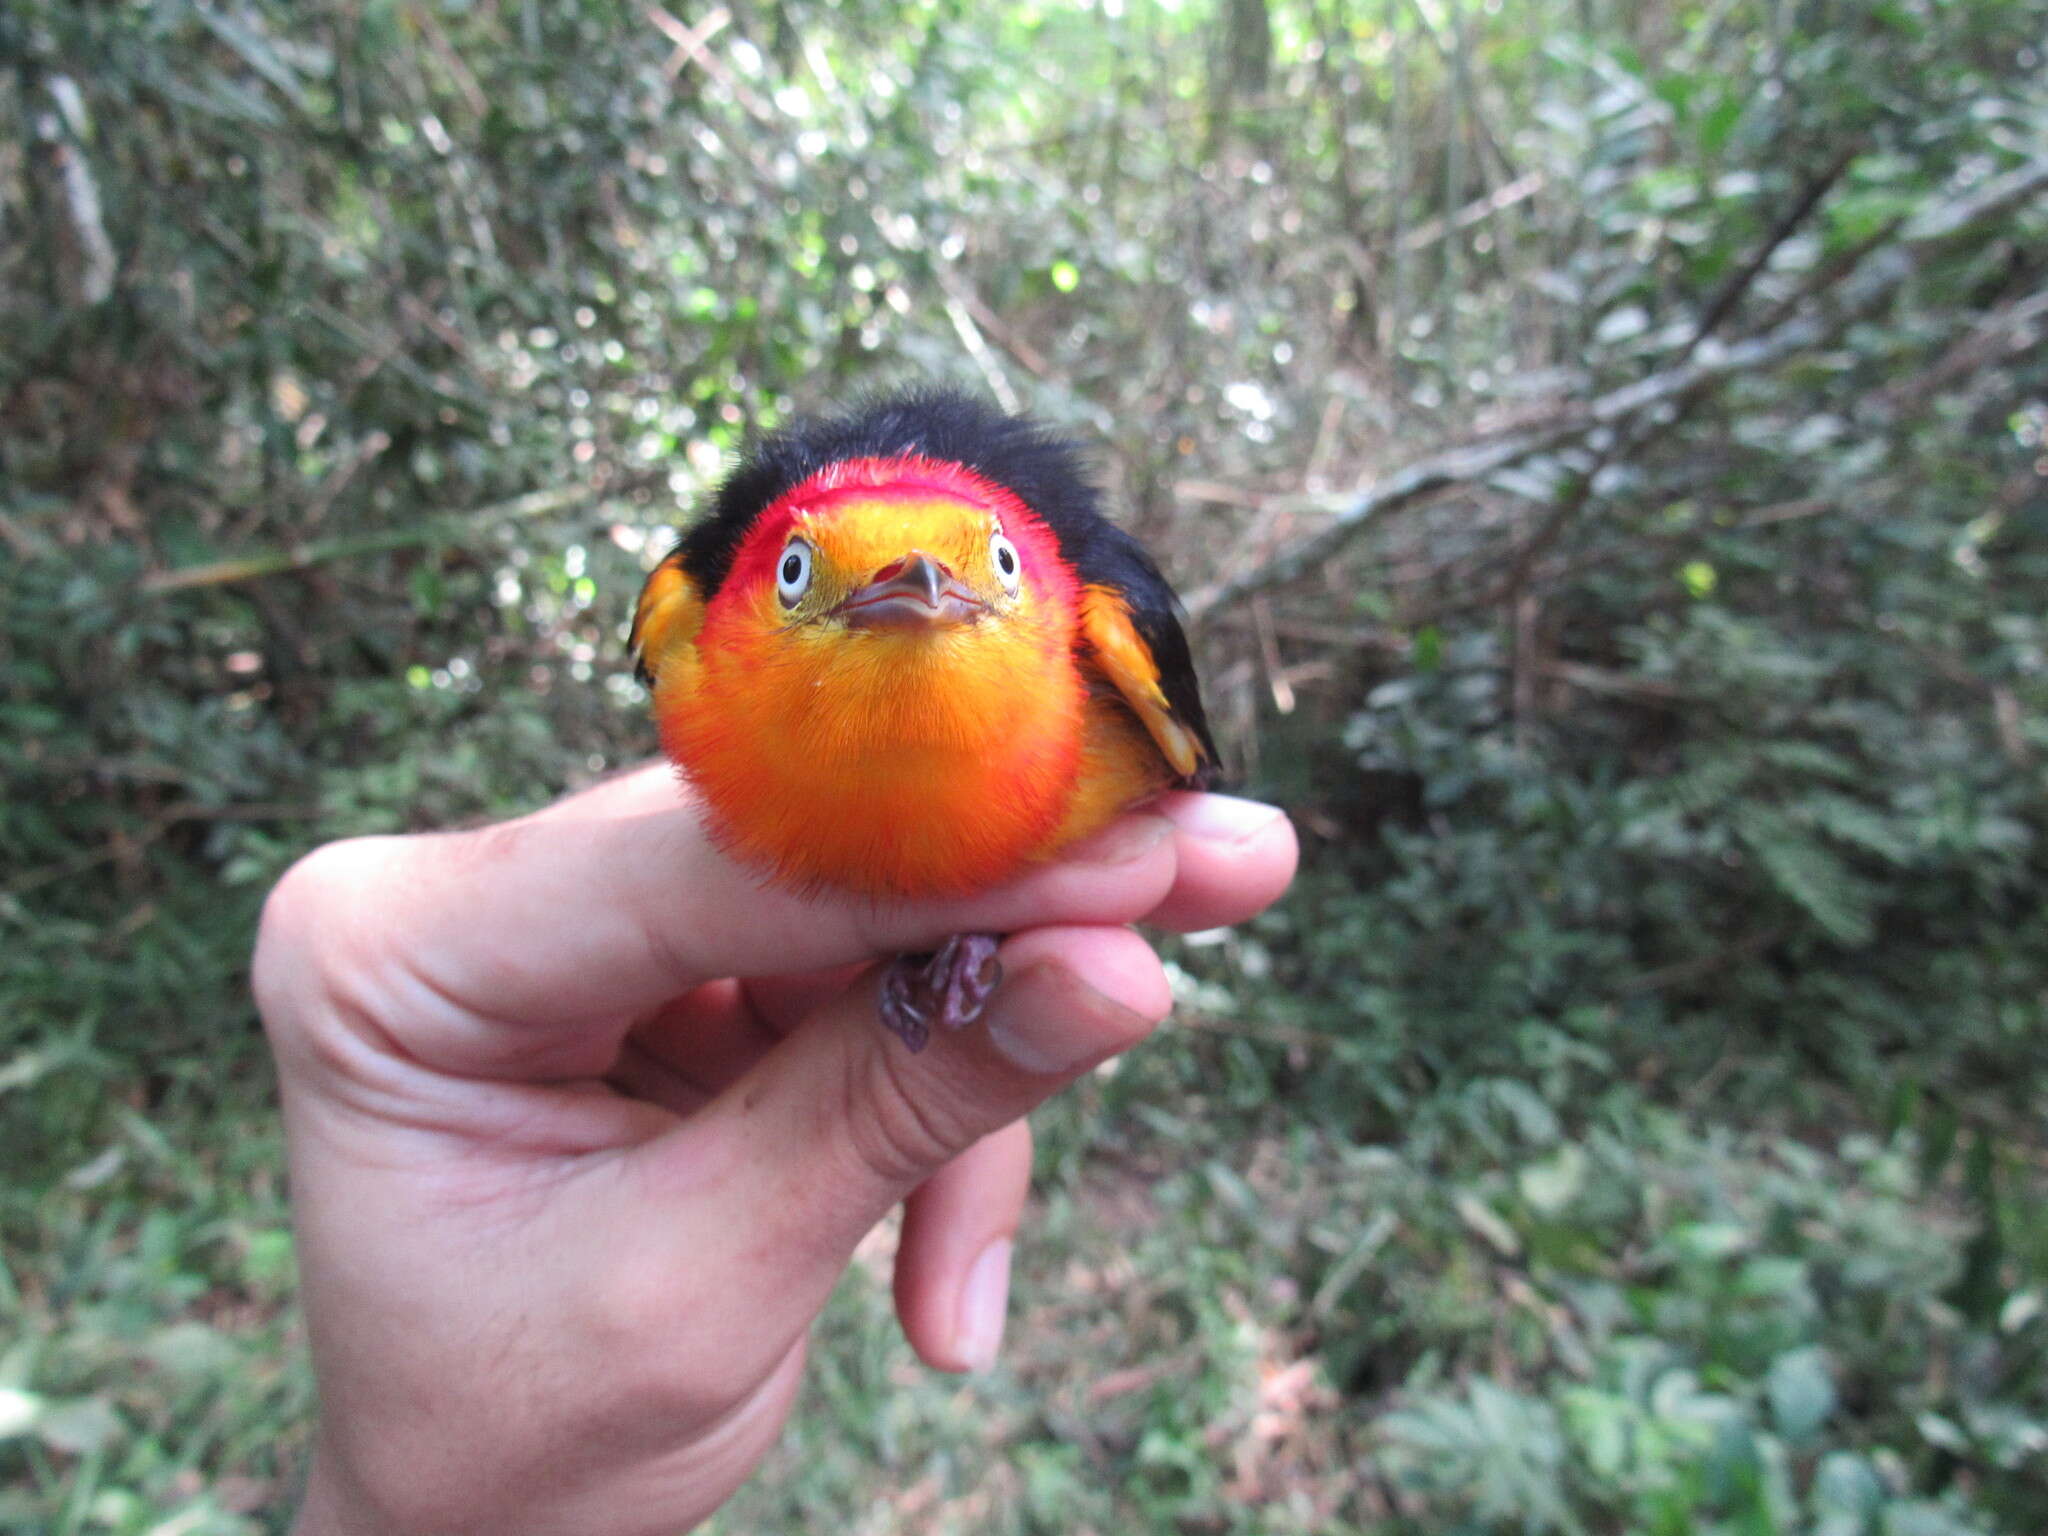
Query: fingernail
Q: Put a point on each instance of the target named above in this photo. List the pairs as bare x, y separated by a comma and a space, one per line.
1124, 840
984, 1305
1048, 1021
1219, 818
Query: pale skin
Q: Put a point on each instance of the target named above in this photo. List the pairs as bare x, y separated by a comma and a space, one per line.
569, 1195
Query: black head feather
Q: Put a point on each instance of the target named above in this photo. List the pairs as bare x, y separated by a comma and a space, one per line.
1042, 468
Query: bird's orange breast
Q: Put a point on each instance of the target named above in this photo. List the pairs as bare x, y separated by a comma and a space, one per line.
882, 762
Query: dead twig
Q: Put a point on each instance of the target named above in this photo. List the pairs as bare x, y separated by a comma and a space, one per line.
1520, 190
58, 130
433, 529
1455, 62
1269, 657
1604, 680
984, 356
690, 49
1705, 368
1730, 293
371, 448
1006, 336
2009, 329
1700, 966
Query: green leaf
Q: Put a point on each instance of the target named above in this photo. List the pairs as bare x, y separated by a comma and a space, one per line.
1603, 1424
1710, 1240
19, 1412
1717, 123
1809, 875
1801, 1389
79, 1427
1844, 1484
256, 51
1551, 1185
1487, 1223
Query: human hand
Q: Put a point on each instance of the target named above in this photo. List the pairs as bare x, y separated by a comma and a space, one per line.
568, 1195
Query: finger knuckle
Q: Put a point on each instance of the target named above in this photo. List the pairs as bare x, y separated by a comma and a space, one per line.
317, 942
302, 916
904, 1117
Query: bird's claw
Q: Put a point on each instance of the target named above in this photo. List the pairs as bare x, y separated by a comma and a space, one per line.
950, 987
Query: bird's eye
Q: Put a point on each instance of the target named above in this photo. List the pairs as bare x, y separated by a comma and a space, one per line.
793, 576
1004, 554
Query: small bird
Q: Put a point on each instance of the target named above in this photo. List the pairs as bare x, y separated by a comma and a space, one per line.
905, 654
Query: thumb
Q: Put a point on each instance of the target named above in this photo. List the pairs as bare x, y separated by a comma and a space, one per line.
839, 1122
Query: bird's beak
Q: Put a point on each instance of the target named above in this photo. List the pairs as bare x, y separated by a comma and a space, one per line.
916, 592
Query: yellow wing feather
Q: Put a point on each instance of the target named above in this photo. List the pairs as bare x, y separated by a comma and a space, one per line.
668, 616
1127, 661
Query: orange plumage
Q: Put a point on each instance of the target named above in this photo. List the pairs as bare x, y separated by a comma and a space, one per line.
906, 655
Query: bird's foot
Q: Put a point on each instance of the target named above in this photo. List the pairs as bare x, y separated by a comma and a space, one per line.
949, 987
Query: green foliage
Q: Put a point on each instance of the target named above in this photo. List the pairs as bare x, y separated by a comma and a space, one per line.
1629, 1125
1630, 1326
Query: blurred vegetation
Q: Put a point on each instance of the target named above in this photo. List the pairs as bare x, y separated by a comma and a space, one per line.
1606, 449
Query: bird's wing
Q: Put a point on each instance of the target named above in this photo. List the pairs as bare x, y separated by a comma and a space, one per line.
668, 615
1138, 646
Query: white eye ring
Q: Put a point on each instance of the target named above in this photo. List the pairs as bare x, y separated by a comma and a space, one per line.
793, 573
1003, 556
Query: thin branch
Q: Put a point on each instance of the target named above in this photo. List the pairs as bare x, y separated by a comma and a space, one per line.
86, 276
359, 456
1456, 64
1605, 680
2008, 330
1520, 190
1997, 196
1699, 967
691, 49
992, 324
434, 528
1471, 462
1738, 283
984, 357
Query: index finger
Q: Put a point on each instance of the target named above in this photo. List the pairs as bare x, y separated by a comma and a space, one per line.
602, 907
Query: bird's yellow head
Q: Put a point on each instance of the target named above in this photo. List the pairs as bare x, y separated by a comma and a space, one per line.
893, 554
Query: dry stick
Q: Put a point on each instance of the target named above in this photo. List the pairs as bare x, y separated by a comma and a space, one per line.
117, 847
992, 324
1603, 680
1470, 462
984, 357
1456, 64
452, 62
17, 538
1521, 189
364, 452
1395, 318
431, 529
1698, 966
161, 823
690, 49
2009, 328
57, 157
1723, 303
1629, 440
1998, 195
